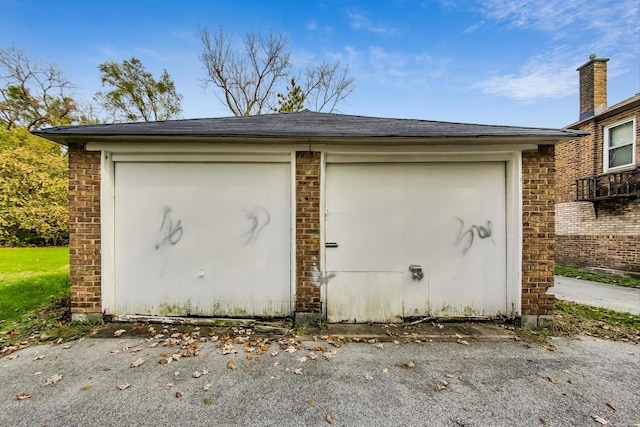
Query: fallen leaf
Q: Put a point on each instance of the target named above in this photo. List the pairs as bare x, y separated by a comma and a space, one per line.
153, 344
463, 342
407, 366
139, 361
544, 421
552, 380
176, 374
600, 420
23, 396
396, 342
612, 405
380, 346
119, 332
196, 374
39, 357
178, 394
368, 377
176, 356
302, 359
168, 385
13, 357
231, 365
274, 353
291, 349
249, 356
207, 401
330, 419
450, 376
311, 402
53, 379
551, 348
124, 386
385, 370
207, 387
312, 356
86, 388
298, 371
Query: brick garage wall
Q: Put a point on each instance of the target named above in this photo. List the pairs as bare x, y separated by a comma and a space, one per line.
538, 230
609, 240
307, 231
84, 231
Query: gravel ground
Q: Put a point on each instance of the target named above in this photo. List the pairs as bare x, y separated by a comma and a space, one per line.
265, 382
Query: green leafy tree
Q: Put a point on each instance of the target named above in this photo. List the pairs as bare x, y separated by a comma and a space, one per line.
135, 94
248, 77
33, 190
33, 95
291, 102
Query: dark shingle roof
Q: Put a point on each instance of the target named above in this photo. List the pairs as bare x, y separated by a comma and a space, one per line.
304, 124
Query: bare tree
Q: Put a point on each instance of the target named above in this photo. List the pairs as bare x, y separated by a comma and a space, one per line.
249, 80
33, 95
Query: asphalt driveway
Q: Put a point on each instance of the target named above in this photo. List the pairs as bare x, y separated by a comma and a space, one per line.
187, 380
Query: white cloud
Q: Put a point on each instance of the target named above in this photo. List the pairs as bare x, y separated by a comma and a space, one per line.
534, 81
391, 67
602, 27
360, 21
312, 25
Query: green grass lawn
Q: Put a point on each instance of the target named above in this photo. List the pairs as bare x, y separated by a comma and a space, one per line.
30, 278
579, 273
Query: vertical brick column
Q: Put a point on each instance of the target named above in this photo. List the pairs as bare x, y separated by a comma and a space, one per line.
307, 232
84, 233
538, 231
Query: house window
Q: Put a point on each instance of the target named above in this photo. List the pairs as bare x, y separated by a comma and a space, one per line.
620, 145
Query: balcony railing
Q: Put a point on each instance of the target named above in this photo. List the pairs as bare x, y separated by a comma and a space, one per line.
613, 185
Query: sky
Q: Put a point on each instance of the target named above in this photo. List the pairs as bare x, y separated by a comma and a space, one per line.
502, 62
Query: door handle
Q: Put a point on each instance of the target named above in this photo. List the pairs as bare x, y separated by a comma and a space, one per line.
330, 245
417, 272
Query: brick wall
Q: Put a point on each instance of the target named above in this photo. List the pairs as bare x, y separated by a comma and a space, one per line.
307, 231
610, 239
593, 85
84, 231
538, 232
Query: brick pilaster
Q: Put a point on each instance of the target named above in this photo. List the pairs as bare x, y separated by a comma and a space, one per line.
307, 231
538, 230
84, 231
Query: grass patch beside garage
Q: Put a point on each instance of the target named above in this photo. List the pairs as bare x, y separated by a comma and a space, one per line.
572, 320
34, 297
579, 273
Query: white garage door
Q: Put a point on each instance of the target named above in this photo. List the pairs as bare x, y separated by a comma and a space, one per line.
208, 239
447, 220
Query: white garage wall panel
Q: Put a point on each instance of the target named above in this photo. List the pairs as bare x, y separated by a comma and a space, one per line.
202, 239
447, 218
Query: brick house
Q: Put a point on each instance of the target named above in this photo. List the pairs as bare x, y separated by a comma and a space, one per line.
598, 181
312, 215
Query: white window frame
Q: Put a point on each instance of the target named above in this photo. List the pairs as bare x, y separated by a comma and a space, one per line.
606, 148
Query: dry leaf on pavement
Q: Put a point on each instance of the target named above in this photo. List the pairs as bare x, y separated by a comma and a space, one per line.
207, 387
23, 396
139, 361
600, 420
298, 371
119, 332
330, 419
368, 377
53, 379
124, 386
552, 380
612, 405
86, 388
231, 365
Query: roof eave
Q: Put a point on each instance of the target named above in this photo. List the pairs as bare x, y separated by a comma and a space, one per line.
66, 139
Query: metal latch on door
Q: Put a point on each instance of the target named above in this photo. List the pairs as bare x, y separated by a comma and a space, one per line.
417, 272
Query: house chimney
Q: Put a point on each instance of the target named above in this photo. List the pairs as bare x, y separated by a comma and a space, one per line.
593, 87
